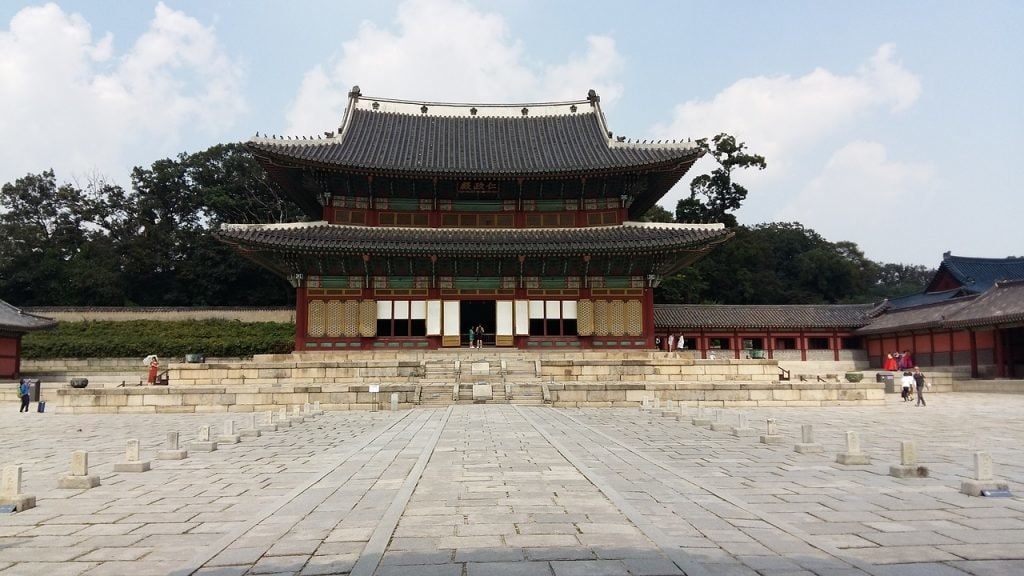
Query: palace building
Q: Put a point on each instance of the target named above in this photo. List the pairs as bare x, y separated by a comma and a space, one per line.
15, 323
427, 220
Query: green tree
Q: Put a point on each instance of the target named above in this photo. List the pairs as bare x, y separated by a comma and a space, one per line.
657, 214
713, 197
52, 244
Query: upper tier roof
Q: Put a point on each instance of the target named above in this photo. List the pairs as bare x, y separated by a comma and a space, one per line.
15, 320
442, 139
632, 238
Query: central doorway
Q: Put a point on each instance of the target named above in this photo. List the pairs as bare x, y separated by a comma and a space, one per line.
473, 313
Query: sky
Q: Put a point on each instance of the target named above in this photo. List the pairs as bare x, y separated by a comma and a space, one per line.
888, 124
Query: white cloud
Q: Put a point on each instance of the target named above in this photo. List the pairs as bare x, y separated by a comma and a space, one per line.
882, 204
781, 116
447, 50
76, 106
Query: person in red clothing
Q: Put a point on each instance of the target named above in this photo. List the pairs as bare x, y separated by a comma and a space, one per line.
154, 367
890, 364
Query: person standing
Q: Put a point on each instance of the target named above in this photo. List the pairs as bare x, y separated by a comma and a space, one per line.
479, 335
472, 338
680, 343
154, 368
23, 393
671, 343
920, 384
905, 383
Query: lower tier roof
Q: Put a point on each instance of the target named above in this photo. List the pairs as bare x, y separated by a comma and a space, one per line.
639, 238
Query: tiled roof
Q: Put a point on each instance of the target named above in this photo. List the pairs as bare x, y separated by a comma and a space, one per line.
922, 299
927, 316
14, 320
761, 316
1003, 304
322, 238
492, 140
979, 274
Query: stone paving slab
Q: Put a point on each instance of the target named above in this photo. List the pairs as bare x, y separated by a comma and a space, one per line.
500, 489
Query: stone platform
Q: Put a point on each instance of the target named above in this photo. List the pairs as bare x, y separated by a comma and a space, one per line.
344, 381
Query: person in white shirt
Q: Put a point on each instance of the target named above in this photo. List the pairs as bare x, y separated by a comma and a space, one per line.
906, 383
671, 343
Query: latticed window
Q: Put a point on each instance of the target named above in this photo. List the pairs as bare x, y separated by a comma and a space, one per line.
446, 282
445, 205
380, 281
508, 282
590, 204
421, 282
572, 282
596, 281
529, 205
381, 203
572, 204
426, 204
636, 281
355, 281
532, 281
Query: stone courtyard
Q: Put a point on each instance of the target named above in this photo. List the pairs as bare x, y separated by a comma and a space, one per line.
510, 490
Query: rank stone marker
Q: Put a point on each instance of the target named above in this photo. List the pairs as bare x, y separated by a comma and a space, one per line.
132, 463
171, 449
316, 409
229, 436
853, 454
741, 430
771, 436
202, 443
269, 425
79, 478
983, 480
908, 467
717, 425
282, 419
10, 490
394, 401
701, 419
296, 417
807, 445
253, 431
681, 413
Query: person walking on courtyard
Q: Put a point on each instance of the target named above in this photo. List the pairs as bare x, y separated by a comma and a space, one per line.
671, 343
905, 383
479, 335
23, 393
680, 344
472, 338
920, 384
890, 364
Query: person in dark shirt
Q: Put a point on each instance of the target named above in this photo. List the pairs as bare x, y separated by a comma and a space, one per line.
919, 383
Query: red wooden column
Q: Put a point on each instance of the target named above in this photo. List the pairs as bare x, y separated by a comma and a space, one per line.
803, 346
997, 342
649, 316
974, 354
835, 345
301, 317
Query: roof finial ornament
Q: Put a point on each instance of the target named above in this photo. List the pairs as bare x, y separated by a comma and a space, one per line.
592, 97
355, 92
